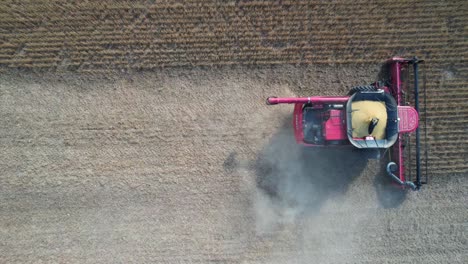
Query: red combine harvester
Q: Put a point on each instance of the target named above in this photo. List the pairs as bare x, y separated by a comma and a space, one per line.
373, 117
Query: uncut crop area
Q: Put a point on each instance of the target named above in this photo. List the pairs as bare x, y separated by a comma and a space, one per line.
137, 131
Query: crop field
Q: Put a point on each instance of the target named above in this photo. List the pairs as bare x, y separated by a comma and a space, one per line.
137, 131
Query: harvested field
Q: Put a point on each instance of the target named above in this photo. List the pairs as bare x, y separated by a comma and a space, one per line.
110, 153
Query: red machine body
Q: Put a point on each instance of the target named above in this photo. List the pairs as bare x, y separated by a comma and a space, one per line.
322, 121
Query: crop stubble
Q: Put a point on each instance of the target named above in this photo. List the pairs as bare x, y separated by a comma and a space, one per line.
97, 177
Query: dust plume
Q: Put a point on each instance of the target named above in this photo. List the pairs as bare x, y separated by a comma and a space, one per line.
300, 179
299, 189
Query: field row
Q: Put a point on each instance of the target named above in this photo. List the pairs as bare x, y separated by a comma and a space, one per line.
260, 17
181, 52
240, 29
239, 6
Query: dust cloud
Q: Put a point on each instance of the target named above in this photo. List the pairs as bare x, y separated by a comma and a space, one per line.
300, 188
301, 179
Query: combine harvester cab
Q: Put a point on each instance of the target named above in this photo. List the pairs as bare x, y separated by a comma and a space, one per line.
372, 117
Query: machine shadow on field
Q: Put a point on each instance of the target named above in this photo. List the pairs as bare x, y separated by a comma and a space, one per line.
303, 178
384, 73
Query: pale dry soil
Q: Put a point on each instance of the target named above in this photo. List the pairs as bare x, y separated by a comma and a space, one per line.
191, 166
